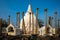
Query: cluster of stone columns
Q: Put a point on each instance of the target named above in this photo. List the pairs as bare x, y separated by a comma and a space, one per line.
50, 21
17, 19
36, 29
45, 22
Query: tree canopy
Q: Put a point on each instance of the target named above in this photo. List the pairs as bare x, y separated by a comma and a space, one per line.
40, 22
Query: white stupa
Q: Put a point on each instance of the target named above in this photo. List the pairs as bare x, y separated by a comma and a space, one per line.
26, 19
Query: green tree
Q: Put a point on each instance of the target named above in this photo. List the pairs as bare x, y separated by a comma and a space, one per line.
4, 23
40, 22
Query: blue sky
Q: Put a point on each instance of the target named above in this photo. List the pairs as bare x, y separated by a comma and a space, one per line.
10, 7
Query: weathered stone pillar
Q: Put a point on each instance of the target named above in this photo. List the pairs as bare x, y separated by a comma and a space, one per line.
45, 20
0, 26
8, 19
23, 24
49, 21
29, 23
55, 22
52, 21
32, 23
58, 23
36, 21
18, 19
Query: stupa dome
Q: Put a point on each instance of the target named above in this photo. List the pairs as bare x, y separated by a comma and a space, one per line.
26, 19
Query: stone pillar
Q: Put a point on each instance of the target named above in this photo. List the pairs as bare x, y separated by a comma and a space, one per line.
55, 22
36, 21
0, 26
30, 23
8, 19
18, 19
45, 20
58, 23
52, 21
49, 21
23, 24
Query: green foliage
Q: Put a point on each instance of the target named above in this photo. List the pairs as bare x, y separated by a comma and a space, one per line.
40, 22
4, 23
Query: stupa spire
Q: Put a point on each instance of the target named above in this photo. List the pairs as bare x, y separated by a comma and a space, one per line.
29, 8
